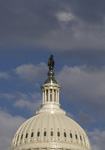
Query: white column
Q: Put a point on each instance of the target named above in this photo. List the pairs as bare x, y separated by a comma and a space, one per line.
52, 95
48, 95
45, 96
56, 95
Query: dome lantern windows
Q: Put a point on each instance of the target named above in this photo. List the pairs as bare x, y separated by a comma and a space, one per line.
80, 138
21, 136
51, 95
76, 136
38, 133
71, 136
58, 134
47, 95
17, 138
51, 133
45, 133
32, 134
64, 134
26, 135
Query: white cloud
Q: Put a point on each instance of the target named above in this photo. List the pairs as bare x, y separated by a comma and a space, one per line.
97, 138
8, 126
83, 80
29, 101
32, 106
4, 75
8, 96
85, 85
32, 72
64, 16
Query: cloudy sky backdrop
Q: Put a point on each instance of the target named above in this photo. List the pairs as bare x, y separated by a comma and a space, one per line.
74, 32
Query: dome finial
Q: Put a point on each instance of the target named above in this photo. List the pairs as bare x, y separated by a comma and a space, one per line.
51, 63
51, 74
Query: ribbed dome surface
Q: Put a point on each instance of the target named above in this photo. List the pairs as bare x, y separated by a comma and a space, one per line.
48, 128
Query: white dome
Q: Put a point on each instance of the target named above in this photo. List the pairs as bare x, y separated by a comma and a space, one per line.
50, 129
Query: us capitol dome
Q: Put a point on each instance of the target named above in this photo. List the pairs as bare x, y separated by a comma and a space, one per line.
50, 128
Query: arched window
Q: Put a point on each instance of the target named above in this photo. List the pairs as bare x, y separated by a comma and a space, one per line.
64, 134
58, 133
21, 136
45, 133
51, 133
80, 138
26, 135
71, 135
18, 138
76, 136
38, 133
32, 134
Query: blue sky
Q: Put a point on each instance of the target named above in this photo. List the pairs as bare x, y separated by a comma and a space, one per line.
74, 32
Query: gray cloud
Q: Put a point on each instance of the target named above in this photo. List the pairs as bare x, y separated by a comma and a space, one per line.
84, 119
91, 12
85, 86
60, 25
26, 21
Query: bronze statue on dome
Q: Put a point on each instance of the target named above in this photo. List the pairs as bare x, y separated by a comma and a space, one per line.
51, 63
